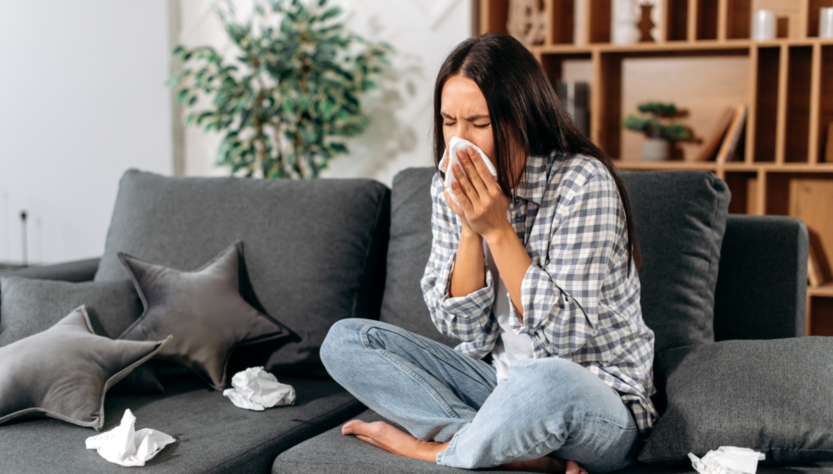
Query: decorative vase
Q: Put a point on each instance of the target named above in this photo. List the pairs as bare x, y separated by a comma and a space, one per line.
623, 28
655, 149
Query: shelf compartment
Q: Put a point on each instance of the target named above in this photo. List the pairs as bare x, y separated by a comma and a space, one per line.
800, 59
738, 19
568, 67
744, 188
813, 16
676, 20
702, 83
562, 21
809, 197
493, 15
599, 15
707, 19
820, 316
825, 104
765, 112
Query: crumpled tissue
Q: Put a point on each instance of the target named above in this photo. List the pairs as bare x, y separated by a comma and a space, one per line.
124, 446
454, 145
727, 460
257, 389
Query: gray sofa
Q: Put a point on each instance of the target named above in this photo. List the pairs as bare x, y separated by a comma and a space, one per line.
321, 251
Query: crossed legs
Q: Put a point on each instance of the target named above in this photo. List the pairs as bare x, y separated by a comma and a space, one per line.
457, 415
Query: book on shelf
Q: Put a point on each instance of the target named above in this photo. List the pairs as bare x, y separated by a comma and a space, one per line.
828, 153
814, 275
730, 141
712, 143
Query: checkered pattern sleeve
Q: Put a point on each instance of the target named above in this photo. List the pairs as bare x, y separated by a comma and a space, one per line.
467, 318
560, 298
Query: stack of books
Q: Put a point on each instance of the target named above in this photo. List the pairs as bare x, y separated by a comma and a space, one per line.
722, 144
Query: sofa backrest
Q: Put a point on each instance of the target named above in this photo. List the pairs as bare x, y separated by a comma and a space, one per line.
680, 219
762, 286
313, 251
408, 252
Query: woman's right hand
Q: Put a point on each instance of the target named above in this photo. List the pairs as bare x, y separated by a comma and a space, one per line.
457, 209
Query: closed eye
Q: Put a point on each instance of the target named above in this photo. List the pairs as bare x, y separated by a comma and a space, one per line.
483, 126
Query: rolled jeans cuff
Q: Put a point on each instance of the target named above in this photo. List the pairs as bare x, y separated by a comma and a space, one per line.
449, 450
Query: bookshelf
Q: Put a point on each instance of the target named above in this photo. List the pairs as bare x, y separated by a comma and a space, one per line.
705, 62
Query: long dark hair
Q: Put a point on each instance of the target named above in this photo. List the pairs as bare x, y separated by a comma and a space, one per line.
522, 106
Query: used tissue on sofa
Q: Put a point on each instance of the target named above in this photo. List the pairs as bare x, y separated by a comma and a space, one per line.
124, 446
727, 460
454, 145
257, 389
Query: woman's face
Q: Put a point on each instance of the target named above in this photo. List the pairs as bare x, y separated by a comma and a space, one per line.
465, 114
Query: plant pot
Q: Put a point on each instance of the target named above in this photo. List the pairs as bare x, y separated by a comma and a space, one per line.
655, 149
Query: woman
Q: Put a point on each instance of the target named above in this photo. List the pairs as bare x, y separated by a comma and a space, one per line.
536, 269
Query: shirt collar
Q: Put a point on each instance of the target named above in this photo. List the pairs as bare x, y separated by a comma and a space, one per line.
533, 183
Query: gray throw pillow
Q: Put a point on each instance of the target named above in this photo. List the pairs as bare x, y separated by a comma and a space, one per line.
202, 309
65, 371
315, 249
30, 306
773, 396
680, 219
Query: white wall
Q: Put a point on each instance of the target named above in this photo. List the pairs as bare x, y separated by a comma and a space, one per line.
423, 33
81, 100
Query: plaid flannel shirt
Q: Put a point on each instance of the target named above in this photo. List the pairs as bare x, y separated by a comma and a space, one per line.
579, 302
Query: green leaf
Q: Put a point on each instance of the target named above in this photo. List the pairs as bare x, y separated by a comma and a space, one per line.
331, 13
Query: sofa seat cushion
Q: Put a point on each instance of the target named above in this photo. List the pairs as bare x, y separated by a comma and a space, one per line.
816, 468
315, 249
332, 452
212, 435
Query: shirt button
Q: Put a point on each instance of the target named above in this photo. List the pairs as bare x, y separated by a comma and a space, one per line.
518, 217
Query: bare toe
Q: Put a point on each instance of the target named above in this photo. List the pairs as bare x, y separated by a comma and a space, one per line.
350, 426
574, 468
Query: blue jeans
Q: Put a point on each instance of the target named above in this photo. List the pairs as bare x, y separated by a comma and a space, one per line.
547, 407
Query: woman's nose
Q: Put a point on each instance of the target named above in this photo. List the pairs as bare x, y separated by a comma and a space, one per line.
463, 132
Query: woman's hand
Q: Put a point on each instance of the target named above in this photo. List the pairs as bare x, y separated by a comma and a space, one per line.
483, 205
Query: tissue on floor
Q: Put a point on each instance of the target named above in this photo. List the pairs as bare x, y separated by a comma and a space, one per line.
124, 446
257, 389
454, 145
727, 460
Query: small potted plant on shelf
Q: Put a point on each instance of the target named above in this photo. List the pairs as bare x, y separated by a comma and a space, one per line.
659, 128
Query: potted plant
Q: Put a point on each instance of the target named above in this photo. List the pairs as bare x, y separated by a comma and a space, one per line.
287, 99
659, 129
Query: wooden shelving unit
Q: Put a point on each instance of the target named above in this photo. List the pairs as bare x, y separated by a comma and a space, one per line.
705, 62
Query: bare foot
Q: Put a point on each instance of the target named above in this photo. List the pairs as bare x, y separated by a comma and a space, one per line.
547, 464
393, 440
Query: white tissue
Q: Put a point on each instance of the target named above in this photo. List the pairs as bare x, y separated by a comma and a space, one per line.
454, 145
126, 447
257, 389
727, 460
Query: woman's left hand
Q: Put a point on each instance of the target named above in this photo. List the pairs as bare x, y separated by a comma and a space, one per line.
480, 196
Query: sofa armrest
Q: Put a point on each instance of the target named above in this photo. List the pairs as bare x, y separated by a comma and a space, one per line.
762, 280
75, 271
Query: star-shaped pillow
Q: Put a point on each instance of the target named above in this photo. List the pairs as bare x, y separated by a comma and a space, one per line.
65, 371
202, 309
